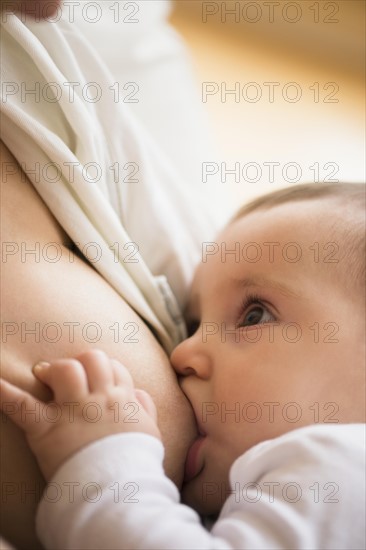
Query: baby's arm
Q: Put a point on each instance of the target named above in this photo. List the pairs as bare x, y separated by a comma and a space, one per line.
99, 442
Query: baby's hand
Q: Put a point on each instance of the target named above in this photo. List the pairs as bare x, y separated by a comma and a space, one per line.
94, 397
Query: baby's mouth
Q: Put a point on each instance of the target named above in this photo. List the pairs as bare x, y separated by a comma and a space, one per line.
194, 462
201, 432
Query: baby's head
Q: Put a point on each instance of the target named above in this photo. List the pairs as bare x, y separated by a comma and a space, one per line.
278, 325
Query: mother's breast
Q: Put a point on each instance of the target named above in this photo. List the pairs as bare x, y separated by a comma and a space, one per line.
54, 305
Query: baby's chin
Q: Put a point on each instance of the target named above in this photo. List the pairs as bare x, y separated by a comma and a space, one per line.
203, 496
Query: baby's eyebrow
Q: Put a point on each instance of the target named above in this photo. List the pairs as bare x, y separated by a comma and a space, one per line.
262, 281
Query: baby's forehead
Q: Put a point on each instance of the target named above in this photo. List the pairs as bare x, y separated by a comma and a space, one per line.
320, 239
301, 221
289, 233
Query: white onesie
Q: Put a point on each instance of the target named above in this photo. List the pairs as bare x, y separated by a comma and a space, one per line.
303, 490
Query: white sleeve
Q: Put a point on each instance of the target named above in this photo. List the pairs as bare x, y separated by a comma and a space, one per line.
114, 494
303, 490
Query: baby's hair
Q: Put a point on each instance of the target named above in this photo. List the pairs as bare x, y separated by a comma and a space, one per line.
346, 212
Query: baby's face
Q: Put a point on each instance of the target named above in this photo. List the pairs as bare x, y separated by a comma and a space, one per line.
279, 343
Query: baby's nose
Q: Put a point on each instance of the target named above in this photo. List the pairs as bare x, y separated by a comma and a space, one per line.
187, 359
177, 359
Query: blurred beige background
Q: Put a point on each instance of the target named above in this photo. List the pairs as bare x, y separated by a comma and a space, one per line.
304, 63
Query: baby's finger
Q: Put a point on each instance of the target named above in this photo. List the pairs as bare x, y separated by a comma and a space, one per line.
66, 378
122, 376
147, 402
21, 407
98, 369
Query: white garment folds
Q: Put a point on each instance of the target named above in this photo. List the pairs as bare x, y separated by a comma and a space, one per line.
98, 171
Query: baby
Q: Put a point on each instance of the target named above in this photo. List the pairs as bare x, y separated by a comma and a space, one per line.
274, 371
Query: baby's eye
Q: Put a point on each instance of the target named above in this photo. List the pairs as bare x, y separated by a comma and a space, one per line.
256, 315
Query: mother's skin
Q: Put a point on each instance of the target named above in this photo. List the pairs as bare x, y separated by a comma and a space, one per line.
66, 291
